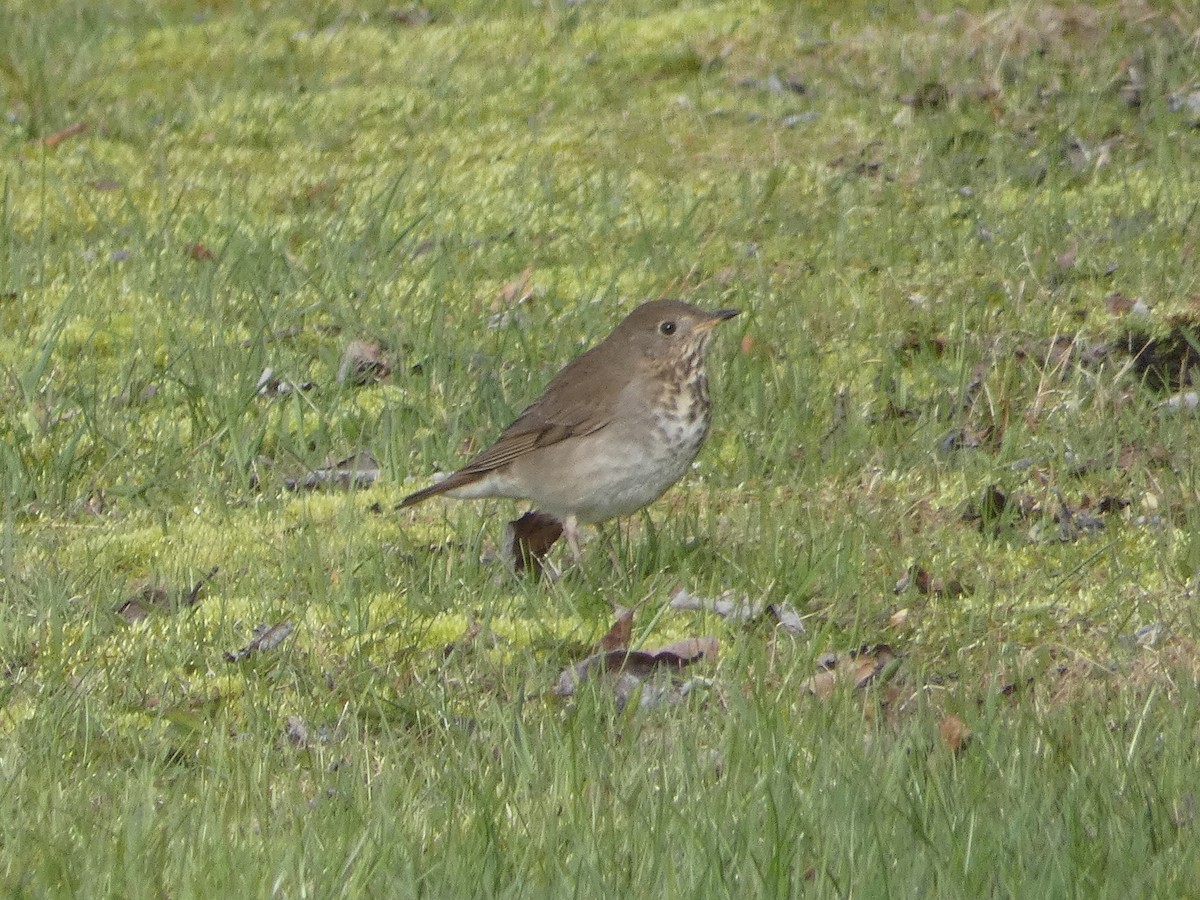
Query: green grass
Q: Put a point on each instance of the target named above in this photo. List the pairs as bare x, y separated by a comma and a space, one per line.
260, 183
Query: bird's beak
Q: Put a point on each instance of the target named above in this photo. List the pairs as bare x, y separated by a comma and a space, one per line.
716, 318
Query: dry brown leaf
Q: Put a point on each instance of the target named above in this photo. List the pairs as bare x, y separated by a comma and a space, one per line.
200, 252
619, 635
869, 663
931, 95
1067, 258
270, 386
954, 733
787, 617
999, 683
735, 607
363, 363
822, 684
472, 631
528, 539
359, 470
1118, 304
154, 598
515, 292
413, 16
730, 605
687, 651
858, 668
637, 664
266, 638
73, 130
297, 732
926, 584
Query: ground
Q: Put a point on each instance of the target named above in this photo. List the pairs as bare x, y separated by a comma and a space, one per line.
942, 539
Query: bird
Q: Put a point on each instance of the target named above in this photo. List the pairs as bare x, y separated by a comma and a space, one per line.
613, 430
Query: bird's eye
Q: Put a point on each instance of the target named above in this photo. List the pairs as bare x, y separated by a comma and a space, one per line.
667, 328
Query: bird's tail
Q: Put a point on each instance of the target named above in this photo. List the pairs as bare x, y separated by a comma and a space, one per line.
457, 480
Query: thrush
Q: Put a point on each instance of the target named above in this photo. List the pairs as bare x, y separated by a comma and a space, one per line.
613, 430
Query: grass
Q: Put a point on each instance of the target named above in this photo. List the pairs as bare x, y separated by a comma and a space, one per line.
909, 204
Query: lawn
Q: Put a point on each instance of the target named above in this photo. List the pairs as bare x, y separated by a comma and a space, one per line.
921, 620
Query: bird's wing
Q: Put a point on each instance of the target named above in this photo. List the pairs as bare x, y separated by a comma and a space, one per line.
532, 431
571, 406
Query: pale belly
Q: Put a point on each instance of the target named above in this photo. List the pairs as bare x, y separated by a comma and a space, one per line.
611, 472
608, 476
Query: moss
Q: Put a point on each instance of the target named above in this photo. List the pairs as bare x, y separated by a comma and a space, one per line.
353, 178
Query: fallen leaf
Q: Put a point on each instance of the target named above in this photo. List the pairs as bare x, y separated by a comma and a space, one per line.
787, 617
199, 252
296, 730
1118, 304
724, 606
954, 733
870, 663
266, 638
858, 668
1186, 401
619, 634
363, 363
154, 598
992, 507
936, 587
928, 585
687, 651
472, 631
72, 130
515, 292
1066, 259
412, 16
528, 539
931, 95
635, 664
270, 386
359, 470
961, 439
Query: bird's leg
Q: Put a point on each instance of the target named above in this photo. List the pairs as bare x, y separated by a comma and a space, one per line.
571, 532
